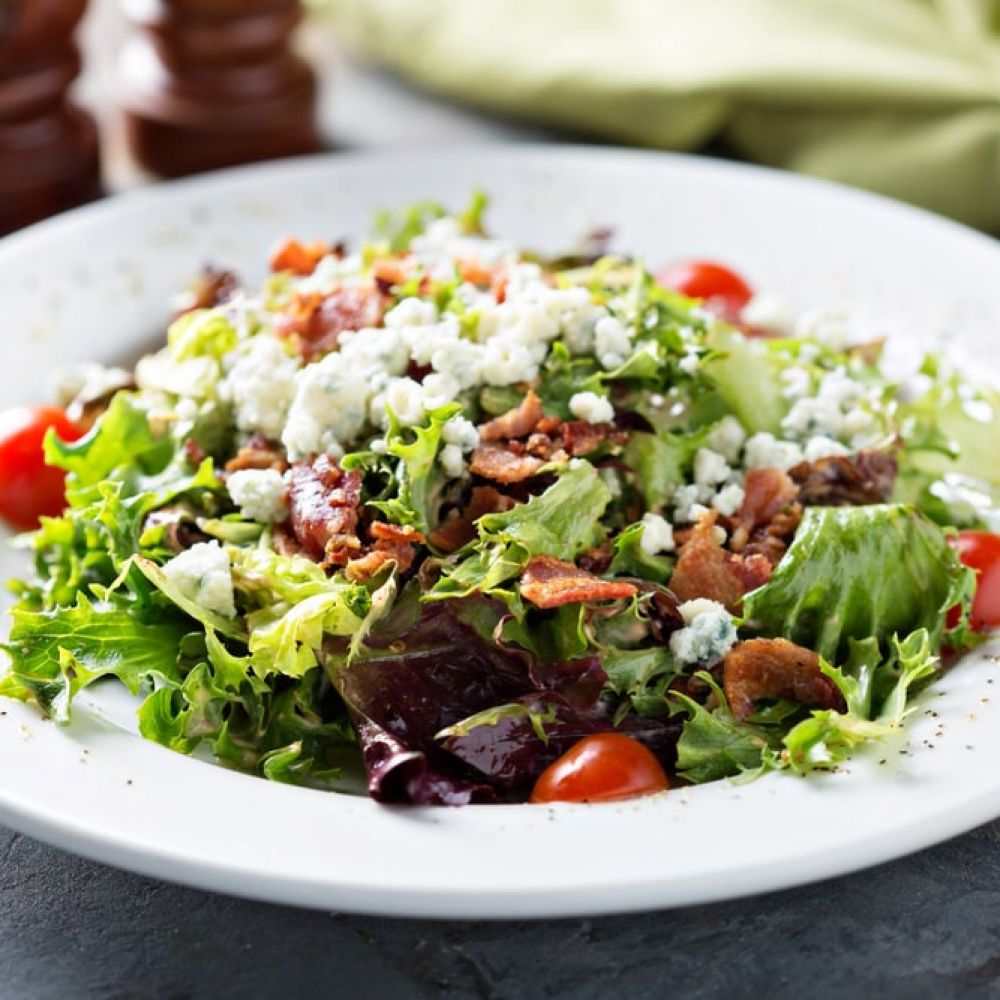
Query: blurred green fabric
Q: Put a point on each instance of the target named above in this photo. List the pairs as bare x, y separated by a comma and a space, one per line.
897, 96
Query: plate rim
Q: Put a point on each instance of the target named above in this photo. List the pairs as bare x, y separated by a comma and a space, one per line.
400, 901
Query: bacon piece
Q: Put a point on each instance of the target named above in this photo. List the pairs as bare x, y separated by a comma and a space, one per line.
767, 492
580, 438
775, 668
454, 532
323, 501
549, 583
705, 569
459, 529
258, 453
299, 258
315, 322
847, 480
393, 543
500, 463
516, 423
212, 287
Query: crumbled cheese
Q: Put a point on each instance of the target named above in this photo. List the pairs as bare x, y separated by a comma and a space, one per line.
203, 575
194, 377
710, 468
612, 342
261, 384
727, 439
591, 407
411, 312
729, 499
813, 415
690, 363
505, 363
823, 447
688, 502
828, 326
332, 273
405, 398
797, 382
657, 535
329, 408
764, 451
769, 312
452, 461
260, 494
690, 610
460, 432
708, 634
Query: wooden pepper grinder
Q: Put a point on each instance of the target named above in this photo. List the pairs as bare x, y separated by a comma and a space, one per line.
212, 83
49, 158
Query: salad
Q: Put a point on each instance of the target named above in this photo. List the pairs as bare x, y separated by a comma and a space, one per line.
447, 521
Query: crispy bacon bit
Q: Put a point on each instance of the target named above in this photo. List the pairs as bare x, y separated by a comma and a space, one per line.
487, 500
459, 528
258, 453
314, 322
323, 500
388, 271
705, 569
775, 668
580, 438
767, 493
549, 583
454, 532
393, 543
516, 423
502, 464
212, 287
476, 273
299, 258
847, 480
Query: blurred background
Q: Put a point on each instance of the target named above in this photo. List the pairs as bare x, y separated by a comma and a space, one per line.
897, 96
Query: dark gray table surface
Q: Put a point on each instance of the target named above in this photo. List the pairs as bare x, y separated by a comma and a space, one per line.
924, 926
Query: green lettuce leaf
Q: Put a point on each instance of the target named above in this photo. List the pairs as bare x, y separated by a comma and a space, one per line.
57, 653
859, 572
561, 522
747, 377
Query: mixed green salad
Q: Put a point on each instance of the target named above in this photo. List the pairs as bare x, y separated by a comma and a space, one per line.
453, 522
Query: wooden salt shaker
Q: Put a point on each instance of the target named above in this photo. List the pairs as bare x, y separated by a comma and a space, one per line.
212, 83
49, 156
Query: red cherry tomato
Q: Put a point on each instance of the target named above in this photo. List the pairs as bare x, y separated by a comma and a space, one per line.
29, 488
981, 551
721, 290
601, 768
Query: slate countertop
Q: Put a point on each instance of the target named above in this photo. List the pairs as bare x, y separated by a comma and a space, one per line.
924, 926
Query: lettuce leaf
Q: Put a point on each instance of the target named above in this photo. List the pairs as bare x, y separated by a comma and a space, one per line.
746, 376
877, 693
561, 522
57, 653
947, 467
859, 572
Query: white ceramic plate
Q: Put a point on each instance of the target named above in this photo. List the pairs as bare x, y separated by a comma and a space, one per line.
96, 284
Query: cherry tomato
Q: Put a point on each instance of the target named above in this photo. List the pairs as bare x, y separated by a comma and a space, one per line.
28, 487
721, 290
981, 551
601, 768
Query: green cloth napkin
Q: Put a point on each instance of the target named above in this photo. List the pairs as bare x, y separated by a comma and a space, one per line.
898, 96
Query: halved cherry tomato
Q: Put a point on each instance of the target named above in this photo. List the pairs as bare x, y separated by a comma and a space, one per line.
29, 488
981, 551
721, 290
299, 258
601, 768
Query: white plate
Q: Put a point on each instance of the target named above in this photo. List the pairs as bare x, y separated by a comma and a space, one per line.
96, 284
